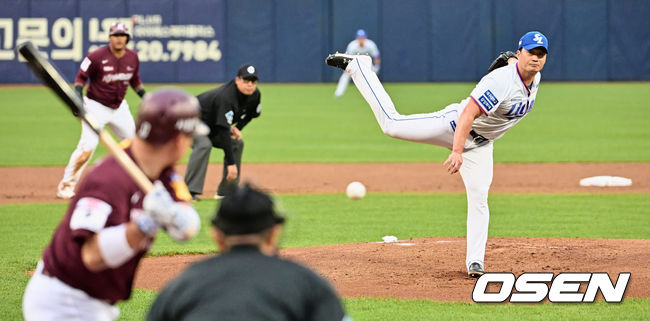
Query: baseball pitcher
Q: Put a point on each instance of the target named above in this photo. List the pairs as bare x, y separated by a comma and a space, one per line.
499, 101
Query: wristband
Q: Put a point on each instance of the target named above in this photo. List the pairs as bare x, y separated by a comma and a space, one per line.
113, 246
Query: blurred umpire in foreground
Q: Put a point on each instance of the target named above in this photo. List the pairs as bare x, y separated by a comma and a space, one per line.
226, 110
247, 281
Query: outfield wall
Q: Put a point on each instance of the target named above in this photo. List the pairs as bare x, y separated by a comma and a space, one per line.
420, 40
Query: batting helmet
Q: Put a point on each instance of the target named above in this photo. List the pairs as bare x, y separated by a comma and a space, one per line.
167, 112
119, 28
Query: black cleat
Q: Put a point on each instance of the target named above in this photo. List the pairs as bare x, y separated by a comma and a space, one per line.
475, 270
195, 197
339, 60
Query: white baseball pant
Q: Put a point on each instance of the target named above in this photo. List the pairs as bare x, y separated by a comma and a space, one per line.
344, 80
48, 299
121, 123
435, 129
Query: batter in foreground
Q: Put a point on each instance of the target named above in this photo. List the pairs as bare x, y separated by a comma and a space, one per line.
499, 101
111, 224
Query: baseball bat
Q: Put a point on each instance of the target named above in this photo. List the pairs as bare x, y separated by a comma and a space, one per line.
52, 78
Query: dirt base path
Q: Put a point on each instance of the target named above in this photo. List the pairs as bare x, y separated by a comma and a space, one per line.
433, 268
38, 184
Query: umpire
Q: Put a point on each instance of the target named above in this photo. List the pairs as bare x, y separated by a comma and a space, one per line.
247, 281
226, 110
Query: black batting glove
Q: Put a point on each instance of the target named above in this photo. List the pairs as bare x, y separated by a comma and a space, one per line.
80, 91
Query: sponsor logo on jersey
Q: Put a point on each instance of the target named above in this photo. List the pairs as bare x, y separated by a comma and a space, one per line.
129, 68
117, 77
108, 68
104, 61
85, 64
491, 97
90, 214
229, 117
486, 104
520, 109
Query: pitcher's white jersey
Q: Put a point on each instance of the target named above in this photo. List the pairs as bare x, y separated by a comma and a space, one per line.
369, 48
504, 100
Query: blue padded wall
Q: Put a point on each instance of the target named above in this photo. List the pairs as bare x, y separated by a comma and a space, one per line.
288, 40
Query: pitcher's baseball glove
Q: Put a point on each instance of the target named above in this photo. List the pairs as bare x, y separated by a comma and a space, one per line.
502, 60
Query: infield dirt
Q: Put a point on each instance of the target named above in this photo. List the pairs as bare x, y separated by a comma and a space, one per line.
38, 184
428, 268
434, 269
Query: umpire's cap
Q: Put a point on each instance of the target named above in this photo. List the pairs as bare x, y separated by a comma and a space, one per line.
248, 72
246, 211
167, 112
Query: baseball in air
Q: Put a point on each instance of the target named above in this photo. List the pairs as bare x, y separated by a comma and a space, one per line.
356, 190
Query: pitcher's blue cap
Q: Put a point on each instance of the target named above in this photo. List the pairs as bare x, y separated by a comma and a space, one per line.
533, 39
361, 33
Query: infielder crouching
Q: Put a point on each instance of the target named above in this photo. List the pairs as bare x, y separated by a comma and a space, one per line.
499, 101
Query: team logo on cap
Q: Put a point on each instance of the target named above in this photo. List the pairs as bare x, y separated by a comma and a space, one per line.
538, 38
250, 69
145, 129
187, 125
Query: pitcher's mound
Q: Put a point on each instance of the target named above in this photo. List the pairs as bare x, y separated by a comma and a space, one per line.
434, 268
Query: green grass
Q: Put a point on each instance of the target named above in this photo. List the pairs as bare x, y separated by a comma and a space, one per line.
415, 310
371, 309
332, 219
570, 122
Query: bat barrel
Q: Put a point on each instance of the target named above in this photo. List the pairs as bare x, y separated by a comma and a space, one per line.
51, 77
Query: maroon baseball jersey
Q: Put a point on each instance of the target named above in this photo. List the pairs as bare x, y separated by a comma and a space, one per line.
109, 76
106, 197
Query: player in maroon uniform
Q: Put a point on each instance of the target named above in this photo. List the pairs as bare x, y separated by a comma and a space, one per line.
110, 225
110, 69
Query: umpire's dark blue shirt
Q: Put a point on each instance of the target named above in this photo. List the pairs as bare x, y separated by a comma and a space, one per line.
223, 107
244, 284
